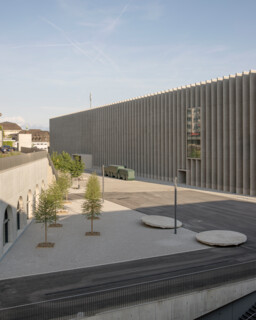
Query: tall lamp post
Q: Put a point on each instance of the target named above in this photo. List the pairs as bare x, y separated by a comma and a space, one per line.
2, 133
175, 205
103, 174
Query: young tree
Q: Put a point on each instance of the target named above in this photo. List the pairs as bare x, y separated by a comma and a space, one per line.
56, 195
45, 213
62, 161
92, 204
64, 183
77, 167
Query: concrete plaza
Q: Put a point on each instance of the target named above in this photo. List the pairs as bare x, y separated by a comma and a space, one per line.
123, 238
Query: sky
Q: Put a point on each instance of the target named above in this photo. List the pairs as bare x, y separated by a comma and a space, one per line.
53, 53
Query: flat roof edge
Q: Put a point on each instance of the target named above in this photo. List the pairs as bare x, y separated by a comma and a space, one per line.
160, 92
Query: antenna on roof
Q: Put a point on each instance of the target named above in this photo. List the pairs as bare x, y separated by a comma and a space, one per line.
90, 99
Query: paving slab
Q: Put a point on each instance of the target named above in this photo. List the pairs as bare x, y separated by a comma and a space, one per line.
221, 238
160, 222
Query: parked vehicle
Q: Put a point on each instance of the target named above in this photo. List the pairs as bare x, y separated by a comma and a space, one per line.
112, 170
126, 174
119, 172
3, 150
8, 148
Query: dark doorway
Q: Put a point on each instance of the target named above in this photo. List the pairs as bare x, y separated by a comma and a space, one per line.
18, 215
6, 221
182, 176
18, 220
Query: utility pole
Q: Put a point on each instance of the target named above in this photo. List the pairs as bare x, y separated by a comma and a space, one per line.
90, 100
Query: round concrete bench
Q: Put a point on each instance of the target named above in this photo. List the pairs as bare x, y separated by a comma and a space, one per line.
160, 222
221, 238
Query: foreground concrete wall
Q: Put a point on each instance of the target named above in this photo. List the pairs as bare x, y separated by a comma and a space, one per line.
148, 134
19, 190
185, 307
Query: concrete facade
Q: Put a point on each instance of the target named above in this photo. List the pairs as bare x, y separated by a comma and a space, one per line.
21, 184
149, 134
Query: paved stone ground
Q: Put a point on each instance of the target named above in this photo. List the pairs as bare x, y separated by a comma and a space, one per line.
123, 238
199, 211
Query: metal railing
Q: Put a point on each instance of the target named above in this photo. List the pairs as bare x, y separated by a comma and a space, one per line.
93, 302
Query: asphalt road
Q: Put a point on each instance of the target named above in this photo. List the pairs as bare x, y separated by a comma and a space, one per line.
197, 210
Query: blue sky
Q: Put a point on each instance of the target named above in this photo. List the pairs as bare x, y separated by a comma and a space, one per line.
53, 53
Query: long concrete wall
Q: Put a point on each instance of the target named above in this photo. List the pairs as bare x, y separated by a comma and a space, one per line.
149, 134
186, 307
21, 180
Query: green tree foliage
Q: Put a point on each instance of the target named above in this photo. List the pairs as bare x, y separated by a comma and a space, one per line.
45, 211
92, 204
77, 168
64, 183
8, 143
56, 194
64, 163
1, 128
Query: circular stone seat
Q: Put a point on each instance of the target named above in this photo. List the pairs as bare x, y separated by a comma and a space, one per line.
221, 238
160, 222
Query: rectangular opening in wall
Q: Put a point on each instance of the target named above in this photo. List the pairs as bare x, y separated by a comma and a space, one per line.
182, 175
194, 133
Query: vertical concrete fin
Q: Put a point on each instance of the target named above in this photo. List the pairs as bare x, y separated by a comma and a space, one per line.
214, 133
174, 123
170, 136
220, 134
226, 131
188, 161
198, 162
203, 133
178, 133
208, 133
232, 133
183, 128
253, 133
166, 142
239, 134
246, 133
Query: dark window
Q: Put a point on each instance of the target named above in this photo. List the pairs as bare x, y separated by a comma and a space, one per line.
193, 133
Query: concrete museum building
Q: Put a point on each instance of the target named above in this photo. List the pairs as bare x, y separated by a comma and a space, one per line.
205, 134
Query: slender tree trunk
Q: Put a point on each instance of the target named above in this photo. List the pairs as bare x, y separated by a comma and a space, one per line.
45, 231
55, 215
92, 224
